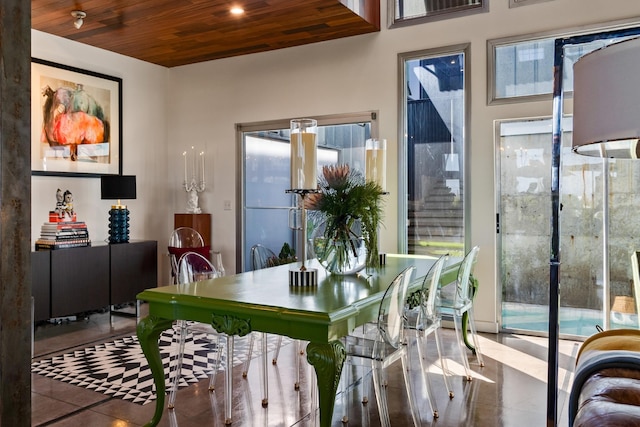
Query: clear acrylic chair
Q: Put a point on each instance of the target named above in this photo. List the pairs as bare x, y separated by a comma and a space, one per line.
461, 302
381, 345
184, 239
193, 267
425, 319
260, 256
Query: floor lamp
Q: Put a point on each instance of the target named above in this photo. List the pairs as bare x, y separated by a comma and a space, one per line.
606, 123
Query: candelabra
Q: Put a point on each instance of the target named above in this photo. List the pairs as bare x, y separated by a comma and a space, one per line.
192, 186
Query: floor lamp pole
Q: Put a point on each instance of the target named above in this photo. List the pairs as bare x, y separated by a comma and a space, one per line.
554, 262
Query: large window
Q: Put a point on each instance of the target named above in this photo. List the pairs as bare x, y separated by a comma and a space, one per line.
265, 175
521, 68
598, 198
432, 208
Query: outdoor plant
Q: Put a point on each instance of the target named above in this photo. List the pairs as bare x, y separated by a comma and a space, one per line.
287, 255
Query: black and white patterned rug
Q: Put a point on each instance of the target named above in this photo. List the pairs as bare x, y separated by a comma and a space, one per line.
119, 368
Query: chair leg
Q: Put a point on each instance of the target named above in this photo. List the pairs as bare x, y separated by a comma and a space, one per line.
264, 374
344, 385
474, 334
407, 383
277, 351
421, 340
380, 392
298, 350
228, 382
216, 366
457, 323
182, 336
247, 362
443, 364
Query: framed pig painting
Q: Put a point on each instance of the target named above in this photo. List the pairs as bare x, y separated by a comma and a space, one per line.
76, 121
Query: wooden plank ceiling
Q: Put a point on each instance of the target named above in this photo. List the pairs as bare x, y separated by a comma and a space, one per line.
179, 32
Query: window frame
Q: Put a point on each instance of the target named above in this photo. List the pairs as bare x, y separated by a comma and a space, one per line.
370, 116
493, 44
392, 22
518, 3
403, 188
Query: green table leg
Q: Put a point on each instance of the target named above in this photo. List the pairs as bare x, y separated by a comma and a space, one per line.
327, 359
149, 330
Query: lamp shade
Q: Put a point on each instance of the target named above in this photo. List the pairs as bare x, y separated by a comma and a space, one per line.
606, 97
116, 187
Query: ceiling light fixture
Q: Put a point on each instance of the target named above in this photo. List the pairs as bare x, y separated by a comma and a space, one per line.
79, 18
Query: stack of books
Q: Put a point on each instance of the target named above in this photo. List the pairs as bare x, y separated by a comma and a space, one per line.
61, 235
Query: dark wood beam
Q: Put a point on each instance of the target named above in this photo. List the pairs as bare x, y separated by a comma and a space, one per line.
15, 213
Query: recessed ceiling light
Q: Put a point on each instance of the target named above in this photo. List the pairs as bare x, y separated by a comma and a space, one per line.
237, 10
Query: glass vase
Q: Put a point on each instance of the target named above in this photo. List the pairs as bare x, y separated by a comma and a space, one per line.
342, 257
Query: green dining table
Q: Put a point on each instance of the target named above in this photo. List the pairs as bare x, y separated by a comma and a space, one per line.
264, 301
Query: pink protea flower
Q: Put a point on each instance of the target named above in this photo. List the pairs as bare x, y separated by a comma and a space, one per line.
313, 201
336, 176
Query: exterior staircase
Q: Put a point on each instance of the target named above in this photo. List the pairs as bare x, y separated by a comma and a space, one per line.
436, 224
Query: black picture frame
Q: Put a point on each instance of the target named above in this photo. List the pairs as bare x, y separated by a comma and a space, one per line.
76, 121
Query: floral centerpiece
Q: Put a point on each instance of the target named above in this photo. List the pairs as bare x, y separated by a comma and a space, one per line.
346, 213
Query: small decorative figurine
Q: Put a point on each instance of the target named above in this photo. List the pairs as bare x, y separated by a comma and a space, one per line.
69, 213
64, 211
59, 203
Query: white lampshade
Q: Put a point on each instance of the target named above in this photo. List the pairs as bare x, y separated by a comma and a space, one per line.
606, 98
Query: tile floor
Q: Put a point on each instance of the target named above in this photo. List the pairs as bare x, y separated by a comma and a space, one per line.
510, 390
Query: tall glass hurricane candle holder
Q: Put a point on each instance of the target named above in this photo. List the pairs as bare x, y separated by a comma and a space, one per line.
376, 171
304, 180
304, 157
376, 161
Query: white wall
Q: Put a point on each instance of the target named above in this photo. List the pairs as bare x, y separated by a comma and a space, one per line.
144, 147
166, 111
358, 74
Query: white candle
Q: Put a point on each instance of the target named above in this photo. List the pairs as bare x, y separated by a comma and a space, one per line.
184, 154
304, 154
376, 162
202, 157
193, 158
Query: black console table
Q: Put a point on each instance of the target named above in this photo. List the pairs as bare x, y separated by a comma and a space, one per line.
77, 280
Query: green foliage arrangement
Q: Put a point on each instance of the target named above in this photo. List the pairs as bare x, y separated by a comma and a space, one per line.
350, 208
287, 255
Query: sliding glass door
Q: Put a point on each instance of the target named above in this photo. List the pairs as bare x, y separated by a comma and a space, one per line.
598, 226
264, 168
